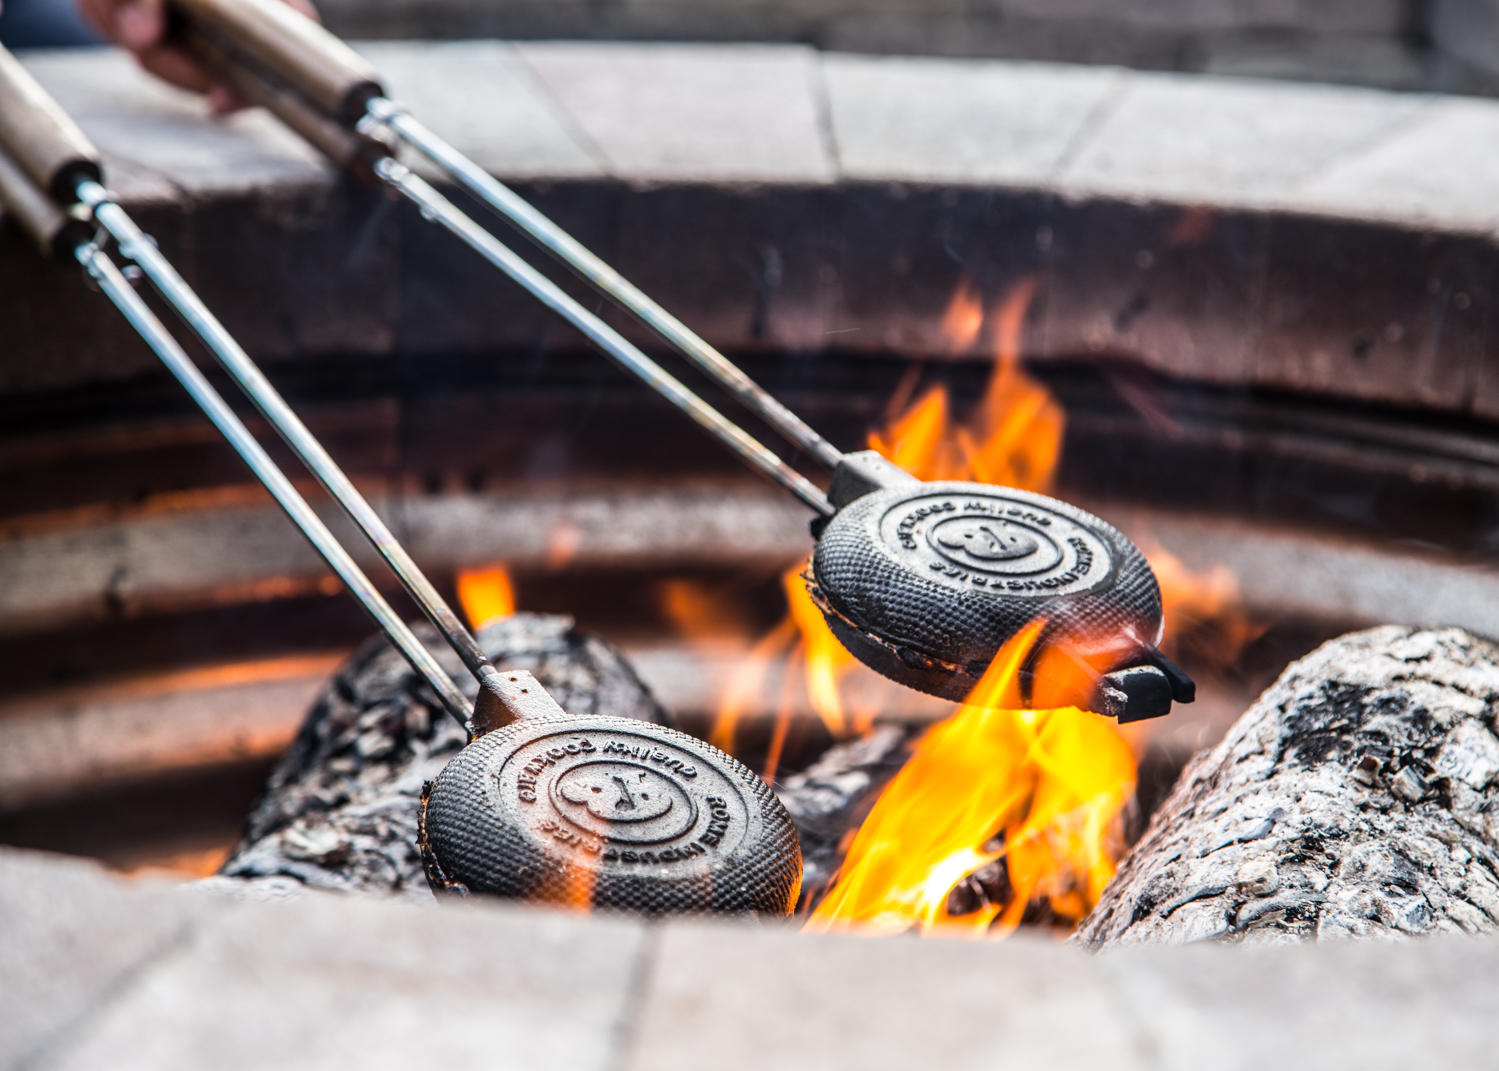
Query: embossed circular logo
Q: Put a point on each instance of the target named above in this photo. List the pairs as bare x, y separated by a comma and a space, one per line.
623, 801
987, 542
621, 798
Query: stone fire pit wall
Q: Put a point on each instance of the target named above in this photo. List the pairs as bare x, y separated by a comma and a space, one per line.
97, 972
1331, 240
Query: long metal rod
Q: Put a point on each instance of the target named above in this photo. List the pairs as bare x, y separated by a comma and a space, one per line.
141, 249
119, 291
552, 238
437, 208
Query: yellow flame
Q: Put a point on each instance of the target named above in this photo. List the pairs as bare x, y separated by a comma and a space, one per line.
486, 594
1046, 785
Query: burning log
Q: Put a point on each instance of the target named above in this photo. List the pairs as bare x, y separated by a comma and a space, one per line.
1357, 798
340, 811
830, 798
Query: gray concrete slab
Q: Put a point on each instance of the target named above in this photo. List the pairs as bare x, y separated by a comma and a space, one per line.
1227, 142
1438, 170
930, 120
738, 113
1228, 231
1369, 1005
335, 982
740, 999
480, 97
71, 937
99, 972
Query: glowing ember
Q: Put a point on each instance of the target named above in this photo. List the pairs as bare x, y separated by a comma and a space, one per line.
486, 594
1038, 792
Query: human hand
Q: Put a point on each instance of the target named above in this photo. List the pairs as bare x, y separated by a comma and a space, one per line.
141, 27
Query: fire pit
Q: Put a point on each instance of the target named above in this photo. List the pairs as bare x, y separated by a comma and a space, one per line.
1135, 321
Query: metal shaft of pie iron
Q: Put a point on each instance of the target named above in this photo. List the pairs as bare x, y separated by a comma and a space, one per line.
51, 179
598, 811
930, 622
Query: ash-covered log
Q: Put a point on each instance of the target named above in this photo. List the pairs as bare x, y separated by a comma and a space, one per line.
340, 811
1356, 799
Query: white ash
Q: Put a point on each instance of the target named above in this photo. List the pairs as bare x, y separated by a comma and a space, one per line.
1356, 799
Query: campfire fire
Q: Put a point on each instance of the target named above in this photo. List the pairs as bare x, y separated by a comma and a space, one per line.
1003, 814
1020, 807
486, 594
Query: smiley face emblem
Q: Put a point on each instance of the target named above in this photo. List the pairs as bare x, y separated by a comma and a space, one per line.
985, 540
623, 802
617, 791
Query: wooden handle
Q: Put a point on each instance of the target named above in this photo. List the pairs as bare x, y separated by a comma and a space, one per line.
341, 145
56, 232
38, 135
292, 48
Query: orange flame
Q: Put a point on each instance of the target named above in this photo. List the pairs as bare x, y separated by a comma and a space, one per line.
964, 317
486, 594
700, 612
1014, 435
1205, 605
827, 660
747, 682
1039, 790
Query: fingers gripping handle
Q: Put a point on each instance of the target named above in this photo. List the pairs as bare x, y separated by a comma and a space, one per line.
39, 137
290, 47
337, 142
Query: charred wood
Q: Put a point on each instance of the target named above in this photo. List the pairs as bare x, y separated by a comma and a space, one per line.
340, 810
829, 800
1356, 799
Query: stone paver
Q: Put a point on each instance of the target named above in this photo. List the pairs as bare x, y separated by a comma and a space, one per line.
740, 999
157, 139
1299, 237
331, 982
1227, 142
1372, 1006
739, 113
70, 937
97, 972
480, 97
1438, 170
928, 120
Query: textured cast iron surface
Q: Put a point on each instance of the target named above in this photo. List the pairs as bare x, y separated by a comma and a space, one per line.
340, 811
612, 812
942, 574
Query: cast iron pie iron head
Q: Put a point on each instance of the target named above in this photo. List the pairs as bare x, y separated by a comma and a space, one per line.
924, 582
611, 813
